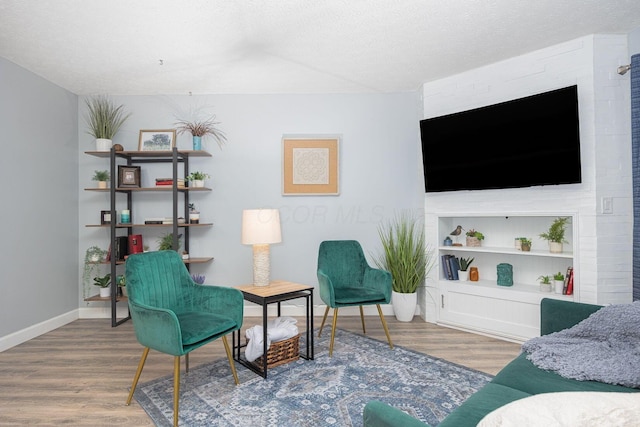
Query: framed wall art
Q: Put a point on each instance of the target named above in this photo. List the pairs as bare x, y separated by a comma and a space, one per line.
157, 140
310, 165
128, 176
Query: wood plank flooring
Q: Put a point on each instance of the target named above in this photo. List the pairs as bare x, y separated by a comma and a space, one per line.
80, 374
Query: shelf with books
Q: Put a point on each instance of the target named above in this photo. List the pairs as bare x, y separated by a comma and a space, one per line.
483, 305
171, 169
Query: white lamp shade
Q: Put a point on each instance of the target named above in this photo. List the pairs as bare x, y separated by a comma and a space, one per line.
261, 226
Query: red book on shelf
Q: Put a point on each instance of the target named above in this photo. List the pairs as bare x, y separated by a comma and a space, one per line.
570, 284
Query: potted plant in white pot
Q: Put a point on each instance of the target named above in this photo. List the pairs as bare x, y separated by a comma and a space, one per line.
463, 273
558, 282
104, 283
407, 257
555, 234
196, 179
102, 177
105, 120
94, 257
199, 129
545, 283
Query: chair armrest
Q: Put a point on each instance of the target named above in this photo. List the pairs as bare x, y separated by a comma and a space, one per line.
556, 315
157, 328
325, 288
379, 280
378, 414
219, 299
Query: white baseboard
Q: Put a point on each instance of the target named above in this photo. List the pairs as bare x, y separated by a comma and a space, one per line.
36, 330
251, 310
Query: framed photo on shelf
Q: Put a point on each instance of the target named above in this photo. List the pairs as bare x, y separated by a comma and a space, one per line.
128, 176
105, 217
157, 140
310, 165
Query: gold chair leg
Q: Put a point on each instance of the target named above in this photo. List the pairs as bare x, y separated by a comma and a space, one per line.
230, 357
333, 330
323, 320
143, 359
384, 325
176, 389
364, 331
186, 363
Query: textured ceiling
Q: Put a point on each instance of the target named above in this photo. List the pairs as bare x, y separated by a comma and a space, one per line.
285, 46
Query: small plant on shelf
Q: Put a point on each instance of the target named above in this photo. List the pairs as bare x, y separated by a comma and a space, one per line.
166, 242
475, 234
525, 244
100, 176
545, 280
558, 276
104, 117
204, 128
465, 263
93, 258
102, 282
197, 176
556, 234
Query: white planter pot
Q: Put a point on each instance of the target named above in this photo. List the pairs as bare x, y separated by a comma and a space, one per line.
463, 276
545, 287
197, 183
555, 247
558, 285
105, 292
103, 144
102, 184
404, 305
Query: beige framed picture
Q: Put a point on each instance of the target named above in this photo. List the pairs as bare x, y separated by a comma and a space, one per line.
157, 140
310, 165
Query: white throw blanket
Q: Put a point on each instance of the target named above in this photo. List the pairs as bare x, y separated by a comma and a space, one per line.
278, 329
604, 347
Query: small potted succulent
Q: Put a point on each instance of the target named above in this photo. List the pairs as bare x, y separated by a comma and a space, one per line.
102, 177
463, 273
558, 282
474, 238
525, 244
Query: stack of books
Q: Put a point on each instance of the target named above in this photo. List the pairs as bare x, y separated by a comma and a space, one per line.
162, 182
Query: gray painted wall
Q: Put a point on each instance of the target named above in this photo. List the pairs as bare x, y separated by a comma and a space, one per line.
39, 175
380, 173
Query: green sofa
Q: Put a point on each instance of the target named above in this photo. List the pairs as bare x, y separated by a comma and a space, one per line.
519, 379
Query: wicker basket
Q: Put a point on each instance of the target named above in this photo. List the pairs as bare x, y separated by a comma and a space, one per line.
280, 353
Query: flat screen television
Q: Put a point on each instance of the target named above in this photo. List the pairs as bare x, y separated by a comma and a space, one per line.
524, 142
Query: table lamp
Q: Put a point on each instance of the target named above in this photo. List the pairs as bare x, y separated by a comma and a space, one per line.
260, 228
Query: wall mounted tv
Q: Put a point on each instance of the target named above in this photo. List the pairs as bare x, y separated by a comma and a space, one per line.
524, 142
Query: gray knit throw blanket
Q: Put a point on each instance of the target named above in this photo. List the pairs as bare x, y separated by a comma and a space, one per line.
604, 347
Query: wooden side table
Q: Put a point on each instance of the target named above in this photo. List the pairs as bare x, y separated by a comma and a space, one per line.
276, 292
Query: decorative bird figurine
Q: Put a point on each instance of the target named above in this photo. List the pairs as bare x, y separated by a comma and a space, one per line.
457, 231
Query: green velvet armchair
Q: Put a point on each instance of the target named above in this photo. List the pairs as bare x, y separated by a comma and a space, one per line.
174, 315
345, 279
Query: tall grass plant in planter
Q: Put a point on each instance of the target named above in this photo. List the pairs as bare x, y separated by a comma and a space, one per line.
407, 257
104, 120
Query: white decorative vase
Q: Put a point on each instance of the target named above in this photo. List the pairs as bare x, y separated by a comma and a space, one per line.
404, 305
103, 144
463, 276
555, 247
105, 292
559, 285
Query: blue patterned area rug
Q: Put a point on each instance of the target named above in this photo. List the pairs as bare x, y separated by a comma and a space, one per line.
321, 392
